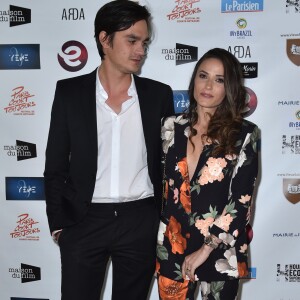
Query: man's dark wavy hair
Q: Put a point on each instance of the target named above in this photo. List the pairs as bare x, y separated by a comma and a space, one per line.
116, 16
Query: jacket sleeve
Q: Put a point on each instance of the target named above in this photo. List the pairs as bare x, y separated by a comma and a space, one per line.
236, 215
57, 156
169, 111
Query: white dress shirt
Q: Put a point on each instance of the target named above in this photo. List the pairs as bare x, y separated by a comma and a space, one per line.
122, 173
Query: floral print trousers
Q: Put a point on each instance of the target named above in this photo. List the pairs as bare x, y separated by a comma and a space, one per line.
214, 290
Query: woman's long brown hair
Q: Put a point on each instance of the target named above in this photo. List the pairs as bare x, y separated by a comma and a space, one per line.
224, 125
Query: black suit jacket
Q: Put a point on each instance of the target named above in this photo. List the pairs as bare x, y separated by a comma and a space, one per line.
72, 148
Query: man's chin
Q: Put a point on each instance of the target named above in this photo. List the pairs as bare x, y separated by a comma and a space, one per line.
136, 69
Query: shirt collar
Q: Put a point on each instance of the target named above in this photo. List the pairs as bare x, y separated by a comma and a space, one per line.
101, 94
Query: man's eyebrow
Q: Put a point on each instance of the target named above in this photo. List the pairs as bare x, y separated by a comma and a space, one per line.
133, 36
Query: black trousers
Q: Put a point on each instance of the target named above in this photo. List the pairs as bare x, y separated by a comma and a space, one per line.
124, 232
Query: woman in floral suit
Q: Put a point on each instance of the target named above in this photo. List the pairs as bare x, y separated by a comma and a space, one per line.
211, 164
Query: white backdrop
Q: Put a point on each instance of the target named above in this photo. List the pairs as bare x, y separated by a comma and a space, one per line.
266, 40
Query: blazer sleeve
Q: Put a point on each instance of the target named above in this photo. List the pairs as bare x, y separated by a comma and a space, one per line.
169, 110
236, 215
57, 155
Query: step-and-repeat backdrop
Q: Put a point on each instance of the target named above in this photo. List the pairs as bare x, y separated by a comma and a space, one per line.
43, 41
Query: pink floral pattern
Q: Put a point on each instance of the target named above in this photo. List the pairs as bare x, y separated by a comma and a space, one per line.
203, 225
212, 171
245, 199
224, 222
243, 248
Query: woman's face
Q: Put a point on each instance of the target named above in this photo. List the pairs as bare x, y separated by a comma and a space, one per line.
209, 90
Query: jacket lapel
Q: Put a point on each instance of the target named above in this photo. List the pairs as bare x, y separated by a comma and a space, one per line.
88, 94
148, 117
180, 138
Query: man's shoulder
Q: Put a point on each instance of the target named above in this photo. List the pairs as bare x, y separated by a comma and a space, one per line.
149, 82
74, 81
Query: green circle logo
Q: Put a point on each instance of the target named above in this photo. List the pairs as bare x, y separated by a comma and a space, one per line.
241, 23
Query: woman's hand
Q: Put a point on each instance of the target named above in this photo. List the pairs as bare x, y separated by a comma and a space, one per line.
194, 260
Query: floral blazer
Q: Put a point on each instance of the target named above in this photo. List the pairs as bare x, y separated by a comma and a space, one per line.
217, 200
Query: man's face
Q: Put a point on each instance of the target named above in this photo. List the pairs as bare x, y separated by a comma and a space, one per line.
127, 51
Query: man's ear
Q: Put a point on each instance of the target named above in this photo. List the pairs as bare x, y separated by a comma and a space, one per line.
103, 39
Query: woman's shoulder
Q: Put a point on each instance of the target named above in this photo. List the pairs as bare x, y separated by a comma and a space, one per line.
248, 126
178, 123
250, 133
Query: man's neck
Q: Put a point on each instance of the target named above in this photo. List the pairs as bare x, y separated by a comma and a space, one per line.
114, 82
116, 85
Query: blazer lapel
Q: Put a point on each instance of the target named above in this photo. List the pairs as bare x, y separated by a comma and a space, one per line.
181, 139
88, 94
148, 116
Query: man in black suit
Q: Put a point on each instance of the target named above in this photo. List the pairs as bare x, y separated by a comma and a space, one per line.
103, 174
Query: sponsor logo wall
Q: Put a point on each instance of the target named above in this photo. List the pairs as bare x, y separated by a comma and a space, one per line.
26, 228
19, 56
42, 42
24, 188
18, 298
15, 16
21, 102
25, 273
73, 56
